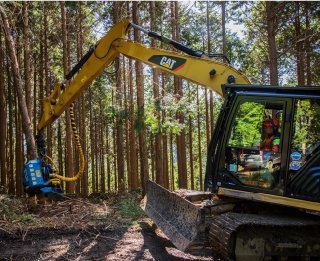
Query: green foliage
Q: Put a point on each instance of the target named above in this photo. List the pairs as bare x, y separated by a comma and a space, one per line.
306, 125
129, 208
247, 131
15, 210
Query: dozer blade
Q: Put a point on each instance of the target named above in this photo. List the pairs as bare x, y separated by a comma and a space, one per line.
179, 219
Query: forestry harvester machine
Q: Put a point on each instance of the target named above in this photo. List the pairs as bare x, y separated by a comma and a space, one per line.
262, 178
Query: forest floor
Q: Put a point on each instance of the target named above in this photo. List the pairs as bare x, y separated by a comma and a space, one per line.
104, 227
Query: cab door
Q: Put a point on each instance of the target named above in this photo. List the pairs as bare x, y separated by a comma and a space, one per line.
303, 168
253, 151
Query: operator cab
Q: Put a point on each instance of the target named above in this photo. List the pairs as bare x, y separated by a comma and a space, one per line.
253, 152
267, 140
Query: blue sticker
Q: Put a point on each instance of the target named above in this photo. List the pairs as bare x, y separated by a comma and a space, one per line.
233, 167
295, 156
295, 165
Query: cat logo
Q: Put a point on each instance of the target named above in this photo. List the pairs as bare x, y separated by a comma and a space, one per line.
169, 62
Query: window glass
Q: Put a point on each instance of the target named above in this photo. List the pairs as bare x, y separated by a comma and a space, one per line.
306, 133
253, 149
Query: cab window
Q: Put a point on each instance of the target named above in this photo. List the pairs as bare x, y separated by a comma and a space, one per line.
254, 145
306, 133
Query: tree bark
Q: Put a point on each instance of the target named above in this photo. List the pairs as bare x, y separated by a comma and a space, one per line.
66, 68
3, 121
299, 46
308, 45
27, 65
272, 49
119, 125
165, 162
158, 135
133, 172
181, 138
199, 141
144, 171
223, 18
26, 123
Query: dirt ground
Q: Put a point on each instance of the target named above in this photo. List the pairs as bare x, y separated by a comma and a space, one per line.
111, 228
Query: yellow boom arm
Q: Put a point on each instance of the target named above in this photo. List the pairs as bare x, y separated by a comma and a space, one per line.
200, 70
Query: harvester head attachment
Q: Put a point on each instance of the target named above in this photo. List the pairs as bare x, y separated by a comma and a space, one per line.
179, 219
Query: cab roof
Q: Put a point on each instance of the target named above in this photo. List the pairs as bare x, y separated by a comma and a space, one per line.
269, 89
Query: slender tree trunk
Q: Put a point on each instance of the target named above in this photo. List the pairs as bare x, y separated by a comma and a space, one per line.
27, 65
181, 139
210, 92
299, 46
308, 46
19, 136
119, 97
102, 169
108, 159
158, 135
92, 138
191, 144
26, 123
165, 162
96, 133
127, 147
3, 121
66, 68
115, 165
133, 172
82, 107
171, 164
46, 72
223, 16
144, 172
19, 153
35, 81
199, 141
10, 132
272, 49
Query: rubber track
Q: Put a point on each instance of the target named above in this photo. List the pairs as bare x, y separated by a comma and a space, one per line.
223, 229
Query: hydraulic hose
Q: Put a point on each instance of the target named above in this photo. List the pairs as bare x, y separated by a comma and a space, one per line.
81, 155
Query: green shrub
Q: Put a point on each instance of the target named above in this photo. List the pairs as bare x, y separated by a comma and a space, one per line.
129, 208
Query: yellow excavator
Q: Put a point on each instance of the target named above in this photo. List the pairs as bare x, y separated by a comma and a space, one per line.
262, 182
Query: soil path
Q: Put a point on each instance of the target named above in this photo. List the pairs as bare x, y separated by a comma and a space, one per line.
136, 242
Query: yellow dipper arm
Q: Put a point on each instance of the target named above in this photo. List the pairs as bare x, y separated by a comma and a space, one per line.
203, 70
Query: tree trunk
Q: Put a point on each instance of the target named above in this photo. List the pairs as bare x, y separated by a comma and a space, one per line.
46, 72
299, 46
308, 46
223, 18
108, 159
171, 164
191, 144
272, 49
199, 142
165, 162
158, 135
26, 123
181, 139
66, 68
127, 147
119, 125
3, 121
27, 65
133, 172
10, 131
144, 172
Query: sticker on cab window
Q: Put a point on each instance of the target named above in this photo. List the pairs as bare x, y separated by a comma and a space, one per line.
295, 165
295, 155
